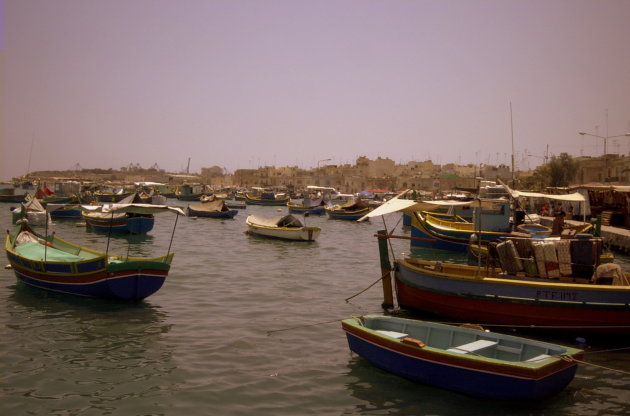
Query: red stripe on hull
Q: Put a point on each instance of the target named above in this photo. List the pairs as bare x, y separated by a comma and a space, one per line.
502, 311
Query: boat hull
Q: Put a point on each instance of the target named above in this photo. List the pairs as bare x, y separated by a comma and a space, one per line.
219, 214
276, 202
569, 307
133, 284
425, 234
346, 215
298, 209
127, 225
90, 273
479, 379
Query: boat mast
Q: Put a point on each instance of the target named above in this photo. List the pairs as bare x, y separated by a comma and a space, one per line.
512, 130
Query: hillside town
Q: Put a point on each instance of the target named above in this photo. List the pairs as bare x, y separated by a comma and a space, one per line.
380, 173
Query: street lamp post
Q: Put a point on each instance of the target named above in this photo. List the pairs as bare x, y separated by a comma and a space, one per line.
583, 133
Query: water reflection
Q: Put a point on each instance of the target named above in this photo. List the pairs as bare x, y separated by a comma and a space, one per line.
387, 394
67, 347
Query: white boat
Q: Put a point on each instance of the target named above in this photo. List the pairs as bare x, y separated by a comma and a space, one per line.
286, 227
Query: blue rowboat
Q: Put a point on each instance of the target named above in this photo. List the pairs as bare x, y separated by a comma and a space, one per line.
463, 359
216, 208
126, 223
64, 210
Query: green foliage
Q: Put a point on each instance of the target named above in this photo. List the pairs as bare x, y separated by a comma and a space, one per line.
560, 171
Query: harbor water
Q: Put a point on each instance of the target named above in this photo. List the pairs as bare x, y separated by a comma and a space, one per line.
242, 326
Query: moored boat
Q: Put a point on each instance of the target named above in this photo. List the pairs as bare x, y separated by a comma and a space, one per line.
50, 263
561, 287
216, 208
350, 211
31, 210
57, 211
470, 361
267, 199
121, 222
285, 227
313, 206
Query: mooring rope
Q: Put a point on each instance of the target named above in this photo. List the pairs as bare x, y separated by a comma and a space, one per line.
567, 358
367, 288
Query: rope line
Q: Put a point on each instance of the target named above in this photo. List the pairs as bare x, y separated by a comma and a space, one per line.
367, 288
567, 358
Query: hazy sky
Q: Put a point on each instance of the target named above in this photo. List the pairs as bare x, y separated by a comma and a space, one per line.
241, 84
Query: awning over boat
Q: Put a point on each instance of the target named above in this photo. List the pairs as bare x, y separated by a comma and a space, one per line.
216, 205
574, 197
135, 208
407, 205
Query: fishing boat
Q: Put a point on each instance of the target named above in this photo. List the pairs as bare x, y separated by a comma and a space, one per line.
235, 204
31, 210
9, 195
118, 222
127, 216
350, 211
285, 227
57, 211
111, 197
216, 208
463, 359
48, 262
492, 220
313, 206
560, 286
266, 198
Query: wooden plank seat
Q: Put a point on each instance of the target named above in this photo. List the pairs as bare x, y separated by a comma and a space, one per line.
538, 358
393, 334
472, 346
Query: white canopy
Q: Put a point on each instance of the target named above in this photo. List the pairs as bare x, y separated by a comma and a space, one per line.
136, 208
574, 197
395, 204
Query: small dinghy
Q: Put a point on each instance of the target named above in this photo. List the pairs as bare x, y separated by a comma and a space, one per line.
464, 359
286, 227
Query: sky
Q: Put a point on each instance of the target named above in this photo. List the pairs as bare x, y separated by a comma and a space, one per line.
246, 83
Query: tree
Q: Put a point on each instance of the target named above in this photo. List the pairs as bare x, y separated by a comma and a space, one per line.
559, 171
562, 170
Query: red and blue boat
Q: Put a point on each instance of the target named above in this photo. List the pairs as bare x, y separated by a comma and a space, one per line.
556, 285
465, 359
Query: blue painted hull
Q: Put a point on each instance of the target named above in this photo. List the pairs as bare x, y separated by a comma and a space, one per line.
222, 214
66, 213
311, 210
346, 215
134, 225
453, 376
134, 285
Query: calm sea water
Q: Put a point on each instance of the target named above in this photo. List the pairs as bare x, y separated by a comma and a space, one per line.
202, 344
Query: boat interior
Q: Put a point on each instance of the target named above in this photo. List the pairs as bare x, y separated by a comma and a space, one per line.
461, 340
